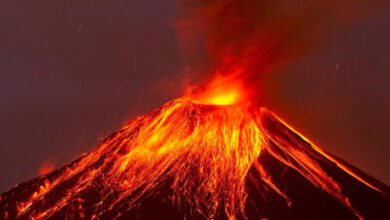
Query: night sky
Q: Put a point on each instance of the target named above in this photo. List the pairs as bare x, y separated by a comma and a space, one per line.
72, 72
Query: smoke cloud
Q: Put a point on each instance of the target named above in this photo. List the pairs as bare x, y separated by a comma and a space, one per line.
244, 39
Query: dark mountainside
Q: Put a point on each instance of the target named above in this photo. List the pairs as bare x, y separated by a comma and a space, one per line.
88, 188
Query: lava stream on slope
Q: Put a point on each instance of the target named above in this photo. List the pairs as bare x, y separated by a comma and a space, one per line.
189, 160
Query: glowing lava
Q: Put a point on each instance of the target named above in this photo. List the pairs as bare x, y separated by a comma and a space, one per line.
223, 90
228, 98
203, 152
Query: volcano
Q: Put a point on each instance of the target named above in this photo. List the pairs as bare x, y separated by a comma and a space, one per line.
187, 160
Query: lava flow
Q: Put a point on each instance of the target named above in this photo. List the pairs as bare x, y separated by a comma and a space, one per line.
187, 159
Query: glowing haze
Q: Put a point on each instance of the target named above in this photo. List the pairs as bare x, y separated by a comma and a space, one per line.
243, 39
219, 91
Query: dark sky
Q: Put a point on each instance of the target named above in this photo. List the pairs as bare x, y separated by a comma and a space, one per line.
71, 72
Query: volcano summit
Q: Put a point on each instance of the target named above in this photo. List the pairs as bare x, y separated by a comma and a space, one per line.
193, 161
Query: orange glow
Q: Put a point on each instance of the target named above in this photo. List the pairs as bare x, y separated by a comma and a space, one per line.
227, 98
42, 190
207, 151
222, 90
46, 167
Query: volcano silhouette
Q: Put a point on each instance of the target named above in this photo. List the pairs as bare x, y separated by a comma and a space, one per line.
192, 161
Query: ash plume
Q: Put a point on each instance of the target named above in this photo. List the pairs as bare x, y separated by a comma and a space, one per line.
246, 38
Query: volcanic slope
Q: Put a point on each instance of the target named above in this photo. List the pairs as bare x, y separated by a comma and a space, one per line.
192, 161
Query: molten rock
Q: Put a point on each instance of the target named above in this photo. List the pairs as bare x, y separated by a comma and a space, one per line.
187, 160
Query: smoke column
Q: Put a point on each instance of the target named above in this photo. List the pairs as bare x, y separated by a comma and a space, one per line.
242, 39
